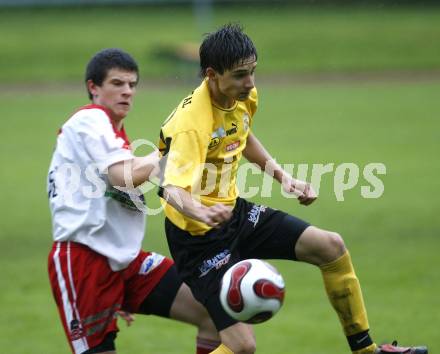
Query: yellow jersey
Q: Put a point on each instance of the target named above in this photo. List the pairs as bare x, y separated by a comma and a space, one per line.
203, 145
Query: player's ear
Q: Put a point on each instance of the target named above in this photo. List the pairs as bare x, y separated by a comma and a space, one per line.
211, 73
92, 87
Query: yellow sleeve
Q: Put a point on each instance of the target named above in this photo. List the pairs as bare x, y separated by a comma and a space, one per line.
187, 153
252, 105
252, 102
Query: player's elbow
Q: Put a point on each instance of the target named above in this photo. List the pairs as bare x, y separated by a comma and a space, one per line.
121, 174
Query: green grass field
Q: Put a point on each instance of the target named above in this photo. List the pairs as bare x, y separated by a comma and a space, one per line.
393, 240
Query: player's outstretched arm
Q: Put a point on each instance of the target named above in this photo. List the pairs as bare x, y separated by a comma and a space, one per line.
132, 173
256, 153
182, 201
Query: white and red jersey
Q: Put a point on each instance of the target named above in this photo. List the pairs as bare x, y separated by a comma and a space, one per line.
85, 208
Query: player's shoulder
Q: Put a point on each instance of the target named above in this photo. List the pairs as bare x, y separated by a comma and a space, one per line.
87, 117
188, 115
252, 101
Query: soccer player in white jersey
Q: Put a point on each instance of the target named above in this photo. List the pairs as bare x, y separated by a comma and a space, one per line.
212, 128
97, 269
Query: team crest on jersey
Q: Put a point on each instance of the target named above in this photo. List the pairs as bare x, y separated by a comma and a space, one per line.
233, 145
216, 137
245, 122
214, 142
150, 263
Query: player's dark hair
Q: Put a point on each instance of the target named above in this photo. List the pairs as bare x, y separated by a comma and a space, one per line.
105, 60
223, 49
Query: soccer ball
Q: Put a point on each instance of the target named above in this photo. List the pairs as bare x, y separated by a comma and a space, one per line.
252, 291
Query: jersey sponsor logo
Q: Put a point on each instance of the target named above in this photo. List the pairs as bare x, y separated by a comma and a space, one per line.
233, 145
245, 122
218, 261
150, 262
254, 214
233, 130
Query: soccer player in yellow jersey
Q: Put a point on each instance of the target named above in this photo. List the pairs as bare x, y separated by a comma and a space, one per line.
209, 227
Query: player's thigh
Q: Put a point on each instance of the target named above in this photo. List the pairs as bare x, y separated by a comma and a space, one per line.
187, 309
153, 292
201, 262
171, 298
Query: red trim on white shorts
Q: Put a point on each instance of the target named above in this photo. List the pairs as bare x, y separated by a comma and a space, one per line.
89, 293
68, 297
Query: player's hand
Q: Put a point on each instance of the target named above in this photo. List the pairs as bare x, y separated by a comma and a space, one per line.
126, 316
303, 190
215, 215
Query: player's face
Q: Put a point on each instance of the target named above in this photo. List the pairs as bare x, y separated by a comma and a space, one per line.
116, 92
237, 83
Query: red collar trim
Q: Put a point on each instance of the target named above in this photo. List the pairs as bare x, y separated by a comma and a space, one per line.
120, 133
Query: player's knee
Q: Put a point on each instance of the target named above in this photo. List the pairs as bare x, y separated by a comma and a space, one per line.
335, 246
328, 247
240, 341
245, 345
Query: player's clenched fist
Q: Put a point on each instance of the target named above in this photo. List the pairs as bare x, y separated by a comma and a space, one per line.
303, 190
216, 215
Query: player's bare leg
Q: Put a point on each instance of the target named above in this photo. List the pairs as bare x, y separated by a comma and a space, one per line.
237, 339
187, 309
318, 247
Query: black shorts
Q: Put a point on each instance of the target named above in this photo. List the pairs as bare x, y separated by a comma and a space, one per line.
254, 231
161, 298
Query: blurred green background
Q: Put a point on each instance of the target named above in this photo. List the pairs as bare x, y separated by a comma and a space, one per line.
337, 84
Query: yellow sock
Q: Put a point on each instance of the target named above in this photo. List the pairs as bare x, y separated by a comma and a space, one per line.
222, 349
371, 349
345, 294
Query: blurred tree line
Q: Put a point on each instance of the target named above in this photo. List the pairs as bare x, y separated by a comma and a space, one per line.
24, 3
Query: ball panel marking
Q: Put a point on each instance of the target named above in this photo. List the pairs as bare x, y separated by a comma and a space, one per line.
265, 289
234, 298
